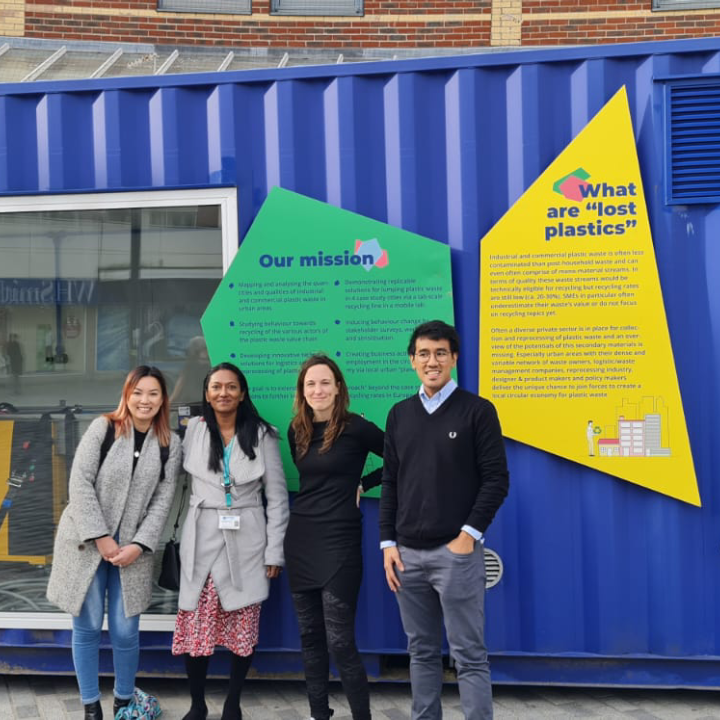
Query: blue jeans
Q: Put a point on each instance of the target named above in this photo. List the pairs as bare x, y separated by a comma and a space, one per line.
124, 637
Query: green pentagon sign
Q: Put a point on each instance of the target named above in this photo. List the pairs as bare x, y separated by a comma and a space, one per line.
310, 277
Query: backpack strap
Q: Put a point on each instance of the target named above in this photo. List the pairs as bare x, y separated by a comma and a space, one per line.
164, 455
109, 439
107, 443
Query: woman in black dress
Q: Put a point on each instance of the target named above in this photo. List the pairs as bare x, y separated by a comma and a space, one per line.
323, 552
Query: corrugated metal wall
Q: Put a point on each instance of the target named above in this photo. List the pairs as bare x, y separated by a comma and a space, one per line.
594, 567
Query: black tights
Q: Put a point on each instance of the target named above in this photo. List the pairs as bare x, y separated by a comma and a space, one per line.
196, 668
327, 623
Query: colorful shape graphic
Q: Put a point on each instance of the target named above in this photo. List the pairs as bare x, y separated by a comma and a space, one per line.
571, 186
373, 249
574, 345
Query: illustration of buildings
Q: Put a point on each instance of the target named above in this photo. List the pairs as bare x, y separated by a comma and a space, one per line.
653, 436
631, 436
638, 436
609, 447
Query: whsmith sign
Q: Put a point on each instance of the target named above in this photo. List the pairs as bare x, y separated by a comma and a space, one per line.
47, 291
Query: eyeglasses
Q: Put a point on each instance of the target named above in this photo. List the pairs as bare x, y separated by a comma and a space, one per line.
440, 355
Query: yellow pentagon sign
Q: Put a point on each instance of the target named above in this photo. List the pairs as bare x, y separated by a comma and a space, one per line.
574, 345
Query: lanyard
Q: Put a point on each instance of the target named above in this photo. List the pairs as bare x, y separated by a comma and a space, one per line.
227, 451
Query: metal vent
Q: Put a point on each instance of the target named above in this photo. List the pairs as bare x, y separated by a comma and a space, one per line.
316, 7
493, 568
693, 143
231, 7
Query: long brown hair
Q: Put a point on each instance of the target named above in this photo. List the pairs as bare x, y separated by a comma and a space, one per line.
121, 417
302, 422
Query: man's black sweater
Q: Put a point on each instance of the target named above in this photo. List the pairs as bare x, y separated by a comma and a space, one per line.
441, 470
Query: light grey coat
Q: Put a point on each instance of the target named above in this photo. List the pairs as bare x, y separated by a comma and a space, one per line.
107, 501
235, 558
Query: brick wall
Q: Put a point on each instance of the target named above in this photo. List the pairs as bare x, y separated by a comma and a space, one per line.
575, 22
12, 18
385, 24
408, 23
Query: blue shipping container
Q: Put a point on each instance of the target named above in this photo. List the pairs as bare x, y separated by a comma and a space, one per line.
604, 581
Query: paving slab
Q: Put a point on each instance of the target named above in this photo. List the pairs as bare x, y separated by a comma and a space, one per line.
43, 697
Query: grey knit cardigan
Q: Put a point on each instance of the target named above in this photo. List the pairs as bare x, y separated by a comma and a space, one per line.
107, 501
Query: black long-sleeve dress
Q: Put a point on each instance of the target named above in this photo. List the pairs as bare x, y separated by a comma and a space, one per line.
323, 538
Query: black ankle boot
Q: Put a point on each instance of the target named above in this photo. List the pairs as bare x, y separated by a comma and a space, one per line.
197, 712
118, 704
231, 712
324, 717
93, 711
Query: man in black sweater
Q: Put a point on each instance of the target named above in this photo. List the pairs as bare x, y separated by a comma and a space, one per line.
444, 477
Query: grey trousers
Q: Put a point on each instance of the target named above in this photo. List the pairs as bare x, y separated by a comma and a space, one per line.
438, 585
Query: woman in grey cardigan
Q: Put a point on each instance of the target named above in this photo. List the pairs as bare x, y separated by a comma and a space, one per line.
110, 528
232, 541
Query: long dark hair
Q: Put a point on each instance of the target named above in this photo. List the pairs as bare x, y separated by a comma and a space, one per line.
121, 418
302, 422
248, 422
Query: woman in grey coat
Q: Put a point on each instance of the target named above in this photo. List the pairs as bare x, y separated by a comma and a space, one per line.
110, 528
232, 541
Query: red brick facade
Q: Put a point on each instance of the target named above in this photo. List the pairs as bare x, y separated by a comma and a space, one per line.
411, 23
574, 22
385, 24
581, 32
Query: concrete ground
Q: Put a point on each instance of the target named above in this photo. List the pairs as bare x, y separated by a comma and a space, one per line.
27, 697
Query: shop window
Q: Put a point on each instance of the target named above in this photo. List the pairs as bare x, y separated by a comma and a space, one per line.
316, 7
684, 4
88, 292
231, 7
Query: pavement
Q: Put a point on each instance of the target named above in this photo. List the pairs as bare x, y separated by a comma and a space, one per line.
27, 697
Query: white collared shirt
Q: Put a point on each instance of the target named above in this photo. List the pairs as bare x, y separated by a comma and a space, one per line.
431, 404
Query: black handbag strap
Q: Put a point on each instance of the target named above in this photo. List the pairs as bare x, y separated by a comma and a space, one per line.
180, 509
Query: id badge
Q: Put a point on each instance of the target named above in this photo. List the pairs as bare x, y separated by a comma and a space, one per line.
229, 522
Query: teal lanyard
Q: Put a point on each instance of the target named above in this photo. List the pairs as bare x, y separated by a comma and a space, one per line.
227, 452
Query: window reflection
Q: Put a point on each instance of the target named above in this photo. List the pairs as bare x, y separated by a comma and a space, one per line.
85, 295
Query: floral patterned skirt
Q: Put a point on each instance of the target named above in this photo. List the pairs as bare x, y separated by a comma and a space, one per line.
198, 631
